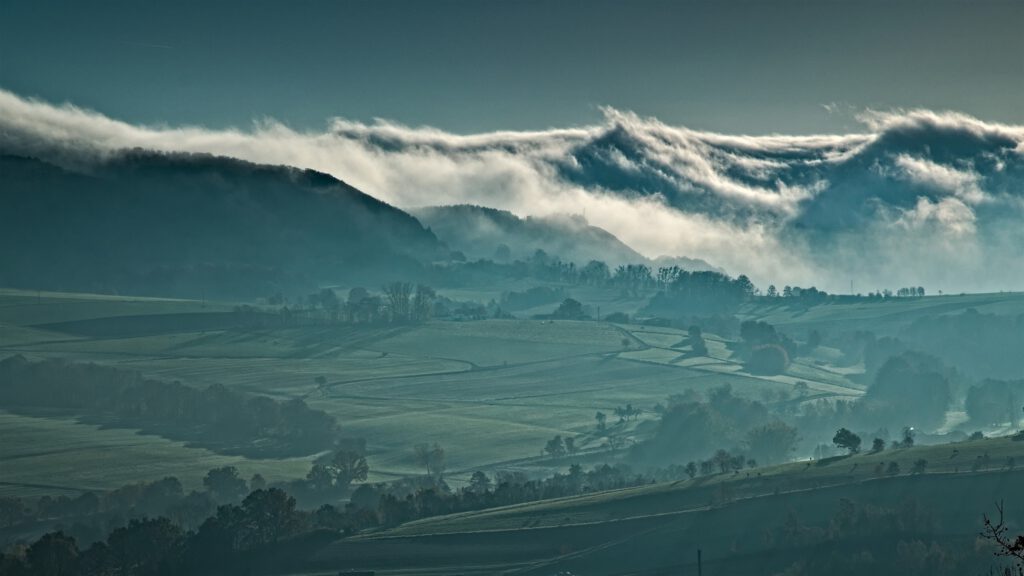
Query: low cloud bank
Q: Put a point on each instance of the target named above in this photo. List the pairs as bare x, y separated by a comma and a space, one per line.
918, 198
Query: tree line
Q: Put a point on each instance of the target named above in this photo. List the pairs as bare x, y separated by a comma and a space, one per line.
266, 530
215, 417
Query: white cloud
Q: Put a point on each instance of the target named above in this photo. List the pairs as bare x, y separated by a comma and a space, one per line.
733, 200
965, 184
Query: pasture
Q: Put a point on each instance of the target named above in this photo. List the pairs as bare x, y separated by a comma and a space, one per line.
57, 455
882, 317
490, 392
656, 529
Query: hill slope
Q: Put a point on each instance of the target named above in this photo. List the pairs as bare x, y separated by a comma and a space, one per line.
176, 224
478, 231
753, 523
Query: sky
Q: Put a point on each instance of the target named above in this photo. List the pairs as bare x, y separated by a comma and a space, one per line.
750, 67
805, 143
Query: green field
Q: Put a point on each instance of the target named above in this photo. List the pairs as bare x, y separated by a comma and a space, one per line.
60, 456
883, 318
683, 495
491, 392
657, 529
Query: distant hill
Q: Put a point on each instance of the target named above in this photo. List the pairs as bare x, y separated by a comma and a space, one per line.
692, 264
180, 224
478, 232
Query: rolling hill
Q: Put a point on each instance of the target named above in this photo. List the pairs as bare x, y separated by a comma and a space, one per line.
478, 232
751, 523
190, 225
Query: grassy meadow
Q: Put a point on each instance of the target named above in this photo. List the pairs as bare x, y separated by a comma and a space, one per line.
490, 392
657, 529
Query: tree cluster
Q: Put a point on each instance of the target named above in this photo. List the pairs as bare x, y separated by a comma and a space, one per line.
704, 292
770, 352
690, 426
995, 402
397, 303
216, 417
267, 531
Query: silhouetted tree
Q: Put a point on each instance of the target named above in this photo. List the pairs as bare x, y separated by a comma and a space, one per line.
54, 554
847, 440
143, 545
877, 445
1007, 546
555, 447
224, 484
690, 469
479, 482
569, 309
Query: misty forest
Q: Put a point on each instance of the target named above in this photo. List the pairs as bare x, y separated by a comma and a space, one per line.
585, 329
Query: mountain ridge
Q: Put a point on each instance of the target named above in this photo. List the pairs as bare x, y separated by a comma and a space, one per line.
479, 232
178, 224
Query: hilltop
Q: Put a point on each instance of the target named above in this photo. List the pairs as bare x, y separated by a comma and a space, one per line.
480, 232
191, 225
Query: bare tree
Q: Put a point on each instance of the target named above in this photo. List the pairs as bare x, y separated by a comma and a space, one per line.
423, 303
348, 466
1007, 546
431, 457
399, 295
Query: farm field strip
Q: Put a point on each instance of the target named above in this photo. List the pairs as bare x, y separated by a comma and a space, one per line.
690, 495
478, 388
720, 361
882, 317
94, 458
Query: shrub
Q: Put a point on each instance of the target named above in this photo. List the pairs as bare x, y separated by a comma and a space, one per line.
768, 359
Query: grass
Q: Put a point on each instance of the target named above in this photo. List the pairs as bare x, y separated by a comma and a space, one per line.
29, 308
491, 392
61, 456
693, 494
656, 529
883, 318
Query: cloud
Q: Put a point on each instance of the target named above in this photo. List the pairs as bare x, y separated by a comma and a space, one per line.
965, 184
893, 204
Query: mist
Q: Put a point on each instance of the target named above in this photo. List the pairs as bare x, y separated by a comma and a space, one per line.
916, 197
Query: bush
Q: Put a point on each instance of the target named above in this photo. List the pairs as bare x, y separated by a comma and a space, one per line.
768, 359
909, 389
569, 309
617, 318
536, 296
995, 402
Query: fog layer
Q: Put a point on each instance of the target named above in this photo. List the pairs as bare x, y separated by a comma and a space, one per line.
916, 198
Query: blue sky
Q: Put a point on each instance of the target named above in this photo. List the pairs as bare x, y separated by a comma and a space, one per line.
729, 66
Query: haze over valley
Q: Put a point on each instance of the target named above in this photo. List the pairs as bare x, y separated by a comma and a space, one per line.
518, 288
